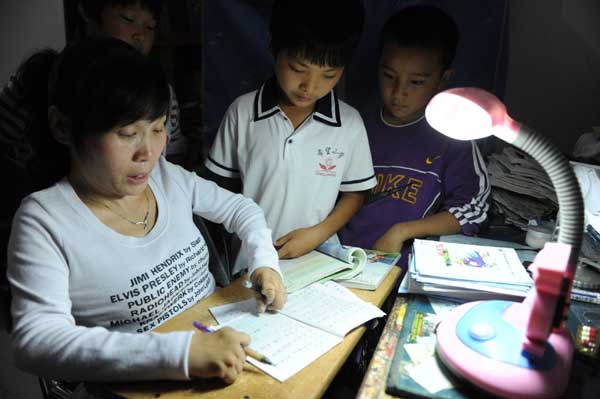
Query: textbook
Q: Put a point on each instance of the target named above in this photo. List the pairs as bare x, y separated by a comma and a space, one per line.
327, 262
313, 321
377, 268
464, 271
415, 370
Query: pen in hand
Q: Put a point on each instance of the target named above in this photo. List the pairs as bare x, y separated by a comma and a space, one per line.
249, 351
265, 301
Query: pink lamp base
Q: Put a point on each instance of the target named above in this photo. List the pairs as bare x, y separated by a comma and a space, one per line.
482, 342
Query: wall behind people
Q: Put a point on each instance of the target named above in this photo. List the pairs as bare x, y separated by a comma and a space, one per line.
553, 78
27, 26
235, 55
480, 56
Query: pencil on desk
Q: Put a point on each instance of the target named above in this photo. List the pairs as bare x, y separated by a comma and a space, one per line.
249, 351
257, 355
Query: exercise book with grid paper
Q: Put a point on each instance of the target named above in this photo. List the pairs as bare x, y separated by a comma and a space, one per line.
313, 321
327, 262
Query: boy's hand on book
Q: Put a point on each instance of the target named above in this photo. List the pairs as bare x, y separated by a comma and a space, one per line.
392, 240
298, 242
268, 283
218, 354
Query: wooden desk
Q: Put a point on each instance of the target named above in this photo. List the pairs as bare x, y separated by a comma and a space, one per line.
373, 384
311, 382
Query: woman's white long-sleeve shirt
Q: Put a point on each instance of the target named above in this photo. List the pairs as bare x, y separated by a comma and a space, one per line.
85, 298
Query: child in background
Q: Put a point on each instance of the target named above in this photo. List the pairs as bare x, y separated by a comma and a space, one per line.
427, 184
293, 144
135, 22
30, 161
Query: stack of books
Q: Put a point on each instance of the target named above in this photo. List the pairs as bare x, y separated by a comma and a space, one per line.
465, 272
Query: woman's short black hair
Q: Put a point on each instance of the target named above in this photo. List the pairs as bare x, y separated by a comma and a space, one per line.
325, 32
422, 26
103, 83
93, 8
98, 83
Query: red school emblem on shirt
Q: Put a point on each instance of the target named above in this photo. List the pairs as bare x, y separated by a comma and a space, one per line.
326, 168
328, 158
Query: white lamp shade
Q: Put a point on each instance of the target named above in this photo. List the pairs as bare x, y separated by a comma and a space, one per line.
458, 117
469, 113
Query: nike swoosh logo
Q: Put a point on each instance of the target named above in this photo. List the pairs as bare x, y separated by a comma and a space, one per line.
429, 161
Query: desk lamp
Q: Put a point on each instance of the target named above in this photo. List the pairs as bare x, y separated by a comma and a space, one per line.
514, 349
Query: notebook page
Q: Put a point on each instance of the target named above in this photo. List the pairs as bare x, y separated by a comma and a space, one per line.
304, 270
371, 276
341, 291
289, 344
354, 256
321, 306
225, 313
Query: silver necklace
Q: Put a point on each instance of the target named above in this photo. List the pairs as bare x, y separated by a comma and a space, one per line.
143, 222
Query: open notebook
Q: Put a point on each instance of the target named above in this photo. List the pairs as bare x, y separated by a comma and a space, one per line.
377, 268
314, 320
327, 262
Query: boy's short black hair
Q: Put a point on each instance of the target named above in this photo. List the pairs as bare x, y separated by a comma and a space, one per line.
422, 26
325, 32
93, 8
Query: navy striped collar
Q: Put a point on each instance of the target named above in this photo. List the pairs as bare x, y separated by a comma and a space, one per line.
327, 109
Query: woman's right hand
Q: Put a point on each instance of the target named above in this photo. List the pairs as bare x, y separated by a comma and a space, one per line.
218, 354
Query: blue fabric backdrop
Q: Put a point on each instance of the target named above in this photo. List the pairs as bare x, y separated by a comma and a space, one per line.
236, 59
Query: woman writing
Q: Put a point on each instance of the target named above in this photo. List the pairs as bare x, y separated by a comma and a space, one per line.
110, 251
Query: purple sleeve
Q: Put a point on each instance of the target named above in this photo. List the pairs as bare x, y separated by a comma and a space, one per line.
466, 186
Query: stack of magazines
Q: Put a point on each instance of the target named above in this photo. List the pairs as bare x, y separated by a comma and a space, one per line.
466, 272
521, 189
590, 248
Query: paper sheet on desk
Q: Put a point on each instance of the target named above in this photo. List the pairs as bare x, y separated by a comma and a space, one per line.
429, 375
313, 321
414, 370
225, 313
424, 368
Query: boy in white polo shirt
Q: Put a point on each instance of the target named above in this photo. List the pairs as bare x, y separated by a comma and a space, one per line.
300, 152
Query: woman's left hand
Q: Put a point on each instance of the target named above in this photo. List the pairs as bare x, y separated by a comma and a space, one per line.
268, 283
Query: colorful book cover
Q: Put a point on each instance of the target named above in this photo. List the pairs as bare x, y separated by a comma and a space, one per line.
415, 370
469, 262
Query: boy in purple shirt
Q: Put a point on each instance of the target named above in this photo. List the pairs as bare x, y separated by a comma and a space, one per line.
427, 184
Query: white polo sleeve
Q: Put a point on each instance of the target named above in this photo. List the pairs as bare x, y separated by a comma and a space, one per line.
238, 214
359, 174
222, 158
